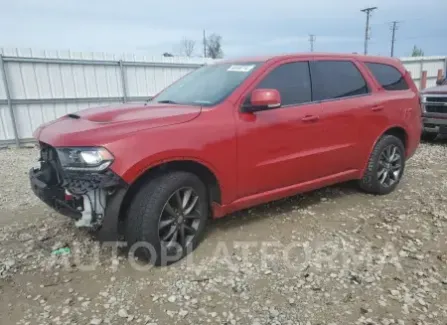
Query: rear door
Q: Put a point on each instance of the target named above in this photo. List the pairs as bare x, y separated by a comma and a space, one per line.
346, 101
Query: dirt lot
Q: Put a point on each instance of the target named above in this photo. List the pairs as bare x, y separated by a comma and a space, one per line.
334, 256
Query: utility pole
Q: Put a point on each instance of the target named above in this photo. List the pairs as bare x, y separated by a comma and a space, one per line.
393, 37
368, 15
312, 39
204, 44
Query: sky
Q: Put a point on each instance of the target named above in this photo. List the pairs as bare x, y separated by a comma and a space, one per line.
247, 27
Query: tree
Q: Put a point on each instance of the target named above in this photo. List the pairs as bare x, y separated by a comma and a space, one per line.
417, 51
168, 55
214, 46
187, 47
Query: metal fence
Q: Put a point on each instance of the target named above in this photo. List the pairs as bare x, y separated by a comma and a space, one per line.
37, 87
40, 86
430, 64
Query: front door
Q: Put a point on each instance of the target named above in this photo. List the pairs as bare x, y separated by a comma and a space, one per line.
278, 147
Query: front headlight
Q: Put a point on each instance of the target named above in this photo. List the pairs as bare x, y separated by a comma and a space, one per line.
84, 159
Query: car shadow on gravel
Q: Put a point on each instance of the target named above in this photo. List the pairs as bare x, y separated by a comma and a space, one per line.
282, 206
440, 140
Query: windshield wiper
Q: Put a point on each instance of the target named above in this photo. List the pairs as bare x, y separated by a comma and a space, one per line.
167, 101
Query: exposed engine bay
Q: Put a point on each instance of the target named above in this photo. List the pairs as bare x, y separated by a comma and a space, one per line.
92, 209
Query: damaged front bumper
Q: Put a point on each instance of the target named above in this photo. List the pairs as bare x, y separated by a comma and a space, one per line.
53, 196
92, 199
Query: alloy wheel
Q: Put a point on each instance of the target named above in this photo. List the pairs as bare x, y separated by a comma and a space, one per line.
390, 166
180, 219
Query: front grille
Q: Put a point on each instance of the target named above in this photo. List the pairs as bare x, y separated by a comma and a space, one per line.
430, 108
437, 99
47, 152
436, 104
49, 164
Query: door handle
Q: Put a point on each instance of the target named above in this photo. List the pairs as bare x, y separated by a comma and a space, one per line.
377, 108
310, 118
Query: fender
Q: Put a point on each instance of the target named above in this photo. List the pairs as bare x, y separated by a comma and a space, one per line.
365, 163
132, 174
137, 170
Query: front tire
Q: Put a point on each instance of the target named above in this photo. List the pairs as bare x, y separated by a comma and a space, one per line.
385, 166
167, 218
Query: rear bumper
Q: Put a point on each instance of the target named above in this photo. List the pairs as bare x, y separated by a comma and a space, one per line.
434, 124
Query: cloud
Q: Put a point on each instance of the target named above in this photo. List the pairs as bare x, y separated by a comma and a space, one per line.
319, 39
248, 27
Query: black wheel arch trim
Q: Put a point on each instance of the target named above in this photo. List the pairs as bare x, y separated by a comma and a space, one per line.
110, 229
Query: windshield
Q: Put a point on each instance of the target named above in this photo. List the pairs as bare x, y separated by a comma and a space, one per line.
207, 85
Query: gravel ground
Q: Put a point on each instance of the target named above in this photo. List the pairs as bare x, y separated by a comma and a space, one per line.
333, 256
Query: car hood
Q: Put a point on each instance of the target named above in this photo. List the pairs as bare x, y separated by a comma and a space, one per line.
101, 125
435, 90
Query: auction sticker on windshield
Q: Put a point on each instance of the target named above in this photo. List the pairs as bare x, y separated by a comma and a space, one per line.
240, 68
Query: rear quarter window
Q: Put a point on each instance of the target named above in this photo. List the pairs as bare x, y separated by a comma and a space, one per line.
388, 76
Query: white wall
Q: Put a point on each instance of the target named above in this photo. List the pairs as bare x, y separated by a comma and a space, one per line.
431, 64
41, 91
35, 86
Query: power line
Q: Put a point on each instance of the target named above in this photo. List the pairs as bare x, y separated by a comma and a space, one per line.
393, 36
312, 39
367, 28
425, 36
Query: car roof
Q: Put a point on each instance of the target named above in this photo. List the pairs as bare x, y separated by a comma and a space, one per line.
314, 55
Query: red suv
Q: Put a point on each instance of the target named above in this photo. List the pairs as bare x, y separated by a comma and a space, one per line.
225, 137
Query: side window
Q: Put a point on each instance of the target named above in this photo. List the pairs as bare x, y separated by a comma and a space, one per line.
292, 80
336, 79
389, 77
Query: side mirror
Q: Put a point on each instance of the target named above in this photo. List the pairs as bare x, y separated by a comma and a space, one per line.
263, 99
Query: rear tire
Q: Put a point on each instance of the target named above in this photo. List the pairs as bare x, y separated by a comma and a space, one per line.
159, 226
385, 166
429, 136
